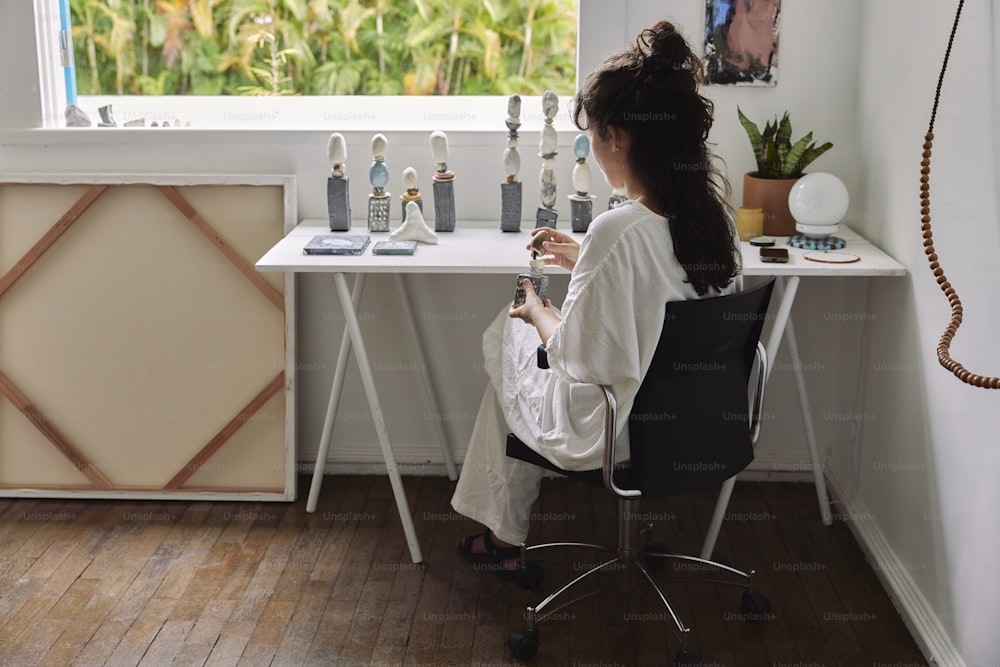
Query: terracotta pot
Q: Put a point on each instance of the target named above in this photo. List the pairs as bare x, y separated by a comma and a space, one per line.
770, 194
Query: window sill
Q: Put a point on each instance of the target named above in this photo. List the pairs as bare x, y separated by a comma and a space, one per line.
347, 113
232, 120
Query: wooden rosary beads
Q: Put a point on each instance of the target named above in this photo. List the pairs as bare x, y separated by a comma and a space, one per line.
944, 346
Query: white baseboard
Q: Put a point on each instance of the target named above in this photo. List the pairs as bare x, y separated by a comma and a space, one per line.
931, 636
366, 459
374, 468
761, 470
773, 466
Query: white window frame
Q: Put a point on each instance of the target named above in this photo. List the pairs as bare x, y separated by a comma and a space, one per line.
52, 88
353, 112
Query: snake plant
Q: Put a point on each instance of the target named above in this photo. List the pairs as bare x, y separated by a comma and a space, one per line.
776, 155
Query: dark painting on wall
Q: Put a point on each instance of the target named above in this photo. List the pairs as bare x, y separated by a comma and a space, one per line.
741, 42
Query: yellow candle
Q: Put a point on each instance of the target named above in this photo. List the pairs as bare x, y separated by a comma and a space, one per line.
749, 222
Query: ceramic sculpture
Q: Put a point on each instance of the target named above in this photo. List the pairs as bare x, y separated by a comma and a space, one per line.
581, 202
444, 184
510, 191
378, 174
547, 215
107, 120
412, 193
414, 228
338, 201
617, 197
77, 117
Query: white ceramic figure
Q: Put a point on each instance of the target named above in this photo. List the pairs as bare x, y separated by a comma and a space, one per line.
439, 150
514, 110
380, 145
581, 171
550, 105
547, 184
414, 228
411, 192
336, 150
410, 178
581, 178
547, 145
511, 161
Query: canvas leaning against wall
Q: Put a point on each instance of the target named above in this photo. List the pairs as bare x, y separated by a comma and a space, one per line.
741, 42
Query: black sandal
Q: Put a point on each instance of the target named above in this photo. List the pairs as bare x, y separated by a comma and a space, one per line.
526, 573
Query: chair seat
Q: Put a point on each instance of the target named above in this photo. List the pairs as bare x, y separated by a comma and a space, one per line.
698, 475
518, 450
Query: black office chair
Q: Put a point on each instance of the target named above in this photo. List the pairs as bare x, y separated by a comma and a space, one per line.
693, 424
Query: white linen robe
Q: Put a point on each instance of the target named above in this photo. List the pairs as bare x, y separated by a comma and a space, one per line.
611, 323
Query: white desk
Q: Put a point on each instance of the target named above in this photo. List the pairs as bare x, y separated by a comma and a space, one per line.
872, 262
487, 250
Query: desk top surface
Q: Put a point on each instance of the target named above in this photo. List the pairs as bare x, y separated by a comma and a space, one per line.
483, 250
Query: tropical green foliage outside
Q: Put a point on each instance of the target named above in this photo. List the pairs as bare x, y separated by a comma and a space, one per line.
324, 47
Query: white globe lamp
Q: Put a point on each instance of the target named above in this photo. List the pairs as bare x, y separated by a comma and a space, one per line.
818, 202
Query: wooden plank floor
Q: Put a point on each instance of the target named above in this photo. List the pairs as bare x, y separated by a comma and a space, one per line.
180, 583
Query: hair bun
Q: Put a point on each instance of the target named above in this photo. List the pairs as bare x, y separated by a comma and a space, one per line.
665, 52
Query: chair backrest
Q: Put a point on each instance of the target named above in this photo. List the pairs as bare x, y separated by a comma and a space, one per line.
689, 425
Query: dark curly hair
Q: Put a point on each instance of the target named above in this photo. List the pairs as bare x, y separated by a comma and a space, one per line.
651, 91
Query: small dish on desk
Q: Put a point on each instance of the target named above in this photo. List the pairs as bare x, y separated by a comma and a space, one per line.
831, 257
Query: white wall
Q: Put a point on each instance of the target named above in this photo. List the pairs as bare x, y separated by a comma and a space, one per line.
925, 466
19, 87
820, 94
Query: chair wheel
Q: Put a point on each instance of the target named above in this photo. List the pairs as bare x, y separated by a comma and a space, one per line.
523, 644
685, 658
529, 576
754, 607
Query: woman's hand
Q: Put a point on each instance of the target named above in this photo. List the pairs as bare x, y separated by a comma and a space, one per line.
531, 306
536, 313
560, 249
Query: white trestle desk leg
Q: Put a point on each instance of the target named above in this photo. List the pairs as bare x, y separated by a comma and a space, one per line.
720, 513
335, 390
361, 356
788, 286
404, 296
800, 384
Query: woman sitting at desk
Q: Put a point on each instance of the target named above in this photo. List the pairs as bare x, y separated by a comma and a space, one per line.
672, 240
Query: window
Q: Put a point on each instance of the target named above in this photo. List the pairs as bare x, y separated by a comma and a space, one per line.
298, 47
159, 49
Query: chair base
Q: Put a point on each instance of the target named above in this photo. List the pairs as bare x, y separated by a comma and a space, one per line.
631, 560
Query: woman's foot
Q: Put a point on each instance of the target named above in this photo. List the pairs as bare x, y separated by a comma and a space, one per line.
490, 553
